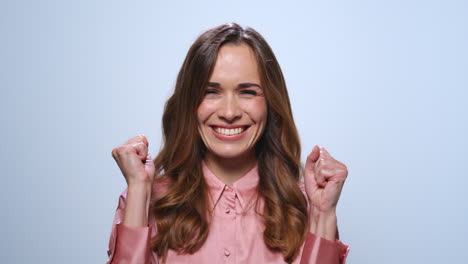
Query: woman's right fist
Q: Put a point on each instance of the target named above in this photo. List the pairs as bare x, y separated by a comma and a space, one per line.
134, 161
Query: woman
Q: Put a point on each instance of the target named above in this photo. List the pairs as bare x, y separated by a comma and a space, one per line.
228, 186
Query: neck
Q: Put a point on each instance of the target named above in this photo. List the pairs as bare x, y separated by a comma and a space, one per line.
229, 170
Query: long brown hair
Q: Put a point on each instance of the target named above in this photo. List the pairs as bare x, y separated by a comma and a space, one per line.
181, 213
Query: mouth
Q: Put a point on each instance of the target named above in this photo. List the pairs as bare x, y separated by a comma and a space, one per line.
229, 131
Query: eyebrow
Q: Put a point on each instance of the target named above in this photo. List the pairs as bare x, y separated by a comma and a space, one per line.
240, 85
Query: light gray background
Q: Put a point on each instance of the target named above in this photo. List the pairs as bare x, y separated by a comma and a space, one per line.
381, 84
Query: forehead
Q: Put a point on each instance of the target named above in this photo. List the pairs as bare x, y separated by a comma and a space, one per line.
235, 62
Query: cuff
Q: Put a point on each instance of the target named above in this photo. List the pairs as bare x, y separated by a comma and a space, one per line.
323, 251
132, 244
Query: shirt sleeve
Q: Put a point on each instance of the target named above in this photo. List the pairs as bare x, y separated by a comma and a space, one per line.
129, 245
318, 250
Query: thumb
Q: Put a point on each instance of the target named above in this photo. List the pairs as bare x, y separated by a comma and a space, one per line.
312, 158
309, 172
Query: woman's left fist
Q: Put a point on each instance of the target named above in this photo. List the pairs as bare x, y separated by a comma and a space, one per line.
324, 178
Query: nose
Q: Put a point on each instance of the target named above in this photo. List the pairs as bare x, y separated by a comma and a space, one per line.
230, 110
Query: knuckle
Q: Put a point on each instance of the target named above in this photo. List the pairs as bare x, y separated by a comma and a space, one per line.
141, 145
344, 175
125, 149
344, 169
117, 150
143, 138
320, 174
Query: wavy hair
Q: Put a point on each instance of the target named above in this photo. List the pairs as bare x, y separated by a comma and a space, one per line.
181, 214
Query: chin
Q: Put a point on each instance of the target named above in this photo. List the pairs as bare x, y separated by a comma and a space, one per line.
228, 153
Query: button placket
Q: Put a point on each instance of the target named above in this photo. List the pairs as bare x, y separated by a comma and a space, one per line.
230, 200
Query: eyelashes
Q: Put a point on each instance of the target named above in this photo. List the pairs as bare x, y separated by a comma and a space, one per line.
250, 92
210, 91
243, 92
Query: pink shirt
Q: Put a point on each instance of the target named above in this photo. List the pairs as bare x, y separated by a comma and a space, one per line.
235, 236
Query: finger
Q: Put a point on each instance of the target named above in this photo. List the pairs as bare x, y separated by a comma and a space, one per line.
141, 150
319, 163
319, 173
325, 154
309, 168
331, 162
149, 161
312, 158
139, 138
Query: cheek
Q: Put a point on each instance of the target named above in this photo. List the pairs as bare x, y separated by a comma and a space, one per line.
258, 110
204, 111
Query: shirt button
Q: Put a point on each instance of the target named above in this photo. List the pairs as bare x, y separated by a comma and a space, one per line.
227, 253
228, 210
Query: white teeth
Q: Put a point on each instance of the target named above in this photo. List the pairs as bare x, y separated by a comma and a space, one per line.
229, 132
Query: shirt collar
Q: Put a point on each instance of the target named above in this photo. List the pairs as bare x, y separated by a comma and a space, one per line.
245, 187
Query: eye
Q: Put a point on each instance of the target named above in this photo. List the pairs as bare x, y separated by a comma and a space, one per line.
249, 92
210, 91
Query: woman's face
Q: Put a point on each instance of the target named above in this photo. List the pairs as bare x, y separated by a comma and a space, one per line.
233, 113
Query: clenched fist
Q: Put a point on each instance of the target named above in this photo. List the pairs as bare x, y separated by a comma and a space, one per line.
324, 178
134, 161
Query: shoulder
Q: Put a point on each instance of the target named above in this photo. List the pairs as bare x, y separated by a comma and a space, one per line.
160, 186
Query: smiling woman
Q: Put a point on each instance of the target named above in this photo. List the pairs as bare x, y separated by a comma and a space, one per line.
226, 186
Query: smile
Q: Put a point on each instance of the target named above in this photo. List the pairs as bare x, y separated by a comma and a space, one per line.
230, 134
229, 131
